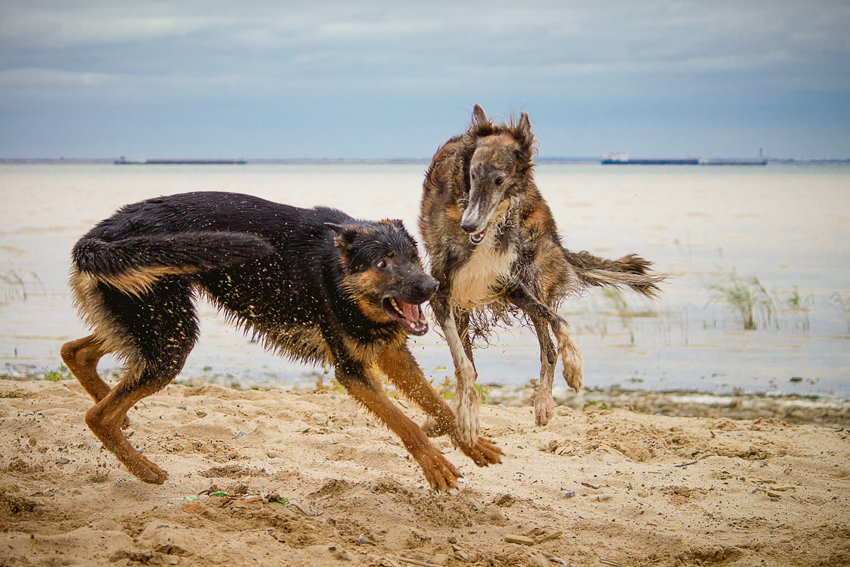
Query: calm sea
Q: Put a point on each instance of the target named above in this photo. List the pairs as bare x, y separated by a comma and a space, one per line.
777, 234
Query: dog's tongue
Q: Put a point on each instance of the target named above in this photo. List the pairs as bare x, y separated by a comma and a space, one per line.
410, 311
412, 317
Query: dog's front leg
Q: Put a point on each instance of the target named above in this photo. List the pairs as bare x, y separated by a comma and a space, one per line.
520, 296
466, 397
366, 389
544, 405
401, 368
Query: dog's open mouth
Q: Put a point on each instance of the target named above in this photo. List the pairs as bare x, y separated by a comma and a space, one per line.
409, 315
478, 237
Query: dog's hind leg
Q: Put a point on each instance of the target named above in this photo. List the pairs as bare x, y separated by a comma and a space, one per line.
401, 369
81, 357
569, 352
366, 388
107, 416
544, 405
141, 379
154, 334
466, 397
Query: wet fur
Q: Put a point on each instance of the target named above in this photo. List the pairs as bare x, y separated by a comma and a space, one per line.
312, 284
480, 185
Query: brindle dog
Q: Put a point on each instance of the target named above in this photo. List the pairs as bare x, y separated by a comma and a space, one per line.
495, 250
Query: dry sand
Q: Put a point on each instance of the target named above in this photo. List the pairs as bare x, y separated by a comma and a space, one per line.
597, 486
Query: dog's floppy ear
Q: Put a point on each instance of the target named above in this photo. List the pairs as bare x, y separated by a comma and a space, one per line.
478, 117
525, 136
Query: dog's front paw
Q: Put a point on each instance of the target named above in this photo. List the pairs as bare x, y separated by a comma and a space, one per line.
544, 407
483, 452
439, 472
145, 470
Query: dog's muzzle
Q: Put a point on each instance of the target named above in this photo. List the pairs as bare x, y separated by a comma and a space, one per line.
408, 311
470, 226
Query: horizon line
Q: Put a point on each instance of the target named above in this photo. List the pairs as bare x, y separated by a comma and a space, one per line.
338, 160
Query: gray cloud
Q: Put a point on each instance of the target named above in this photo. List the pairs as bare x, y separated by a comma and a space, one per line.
556, 57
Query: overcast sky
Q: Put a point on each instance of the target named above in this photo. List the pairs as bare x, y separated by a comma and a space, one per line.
395, 79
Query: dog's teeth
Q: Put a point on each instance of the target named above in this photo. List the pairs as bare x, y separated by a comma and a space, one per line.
395, 305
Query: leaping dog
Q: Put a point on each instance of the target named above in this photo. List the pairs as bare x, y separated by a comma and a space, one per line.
495, 250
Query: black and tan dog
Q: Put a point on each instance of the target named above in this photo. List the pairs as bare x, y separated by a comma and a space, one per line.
313, 284
495, 249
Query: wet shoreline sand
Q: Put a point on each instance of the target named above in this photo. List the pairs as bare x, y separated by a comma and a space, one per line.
792, 408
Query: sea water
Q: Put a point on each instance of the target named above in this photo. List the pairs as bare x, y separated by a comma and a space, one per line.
778, 234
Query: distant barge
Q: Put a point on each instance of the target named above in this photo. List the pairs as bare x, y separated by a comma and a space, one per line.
624, 159
123, 161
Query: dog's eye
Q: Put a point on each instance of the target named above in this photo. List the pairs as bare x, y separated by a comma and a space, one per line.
499, 180
381, 264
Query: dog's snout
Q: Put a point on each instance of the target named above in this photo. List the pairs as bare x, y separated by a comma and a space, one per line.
429, 286
469, 225
470, 219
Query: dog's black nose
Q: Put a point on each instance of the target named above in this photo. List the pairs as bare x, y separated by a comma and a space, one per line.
468, 225
430, 286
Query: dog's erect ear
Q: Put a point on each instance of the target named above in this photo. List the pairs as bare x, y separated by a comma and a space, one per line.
478, 116
394, 223
526, 137
346, 233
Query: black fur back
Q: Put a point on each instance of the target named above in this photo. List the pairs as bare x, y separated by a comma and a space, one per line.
273, 269
193, 250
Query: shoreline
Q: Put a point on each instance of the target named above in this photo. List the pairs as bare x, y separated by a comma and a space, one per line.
794, 409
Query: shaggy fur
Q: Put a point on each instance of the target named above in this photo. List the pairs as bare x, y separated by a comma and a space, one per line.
313, 284
495, 250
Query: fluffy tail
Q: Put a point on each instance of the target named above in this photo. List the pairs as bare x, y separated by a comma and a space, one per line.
132, 265
632, 271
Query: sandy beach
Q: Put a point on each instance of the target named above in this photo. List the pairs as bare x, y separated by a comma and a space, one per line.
270, 477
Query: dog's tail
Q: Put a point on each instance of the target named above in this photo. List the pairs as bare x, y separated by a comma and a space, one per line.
631, 271
132, 265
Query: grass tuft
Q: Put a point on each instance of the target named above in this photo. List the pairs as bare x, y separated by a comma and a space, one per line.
746, 296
